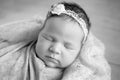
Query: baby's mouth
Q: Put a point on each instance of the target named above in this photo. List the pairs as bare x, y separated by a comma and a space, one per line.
51, 59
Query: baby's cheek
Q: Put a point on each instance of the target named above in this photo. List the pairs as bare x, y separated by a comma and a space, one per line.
40, 47
68, 58
72, 56
44, 47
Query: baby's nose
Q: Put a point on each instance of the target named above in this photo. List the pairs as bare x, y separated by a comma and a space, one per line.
56, 48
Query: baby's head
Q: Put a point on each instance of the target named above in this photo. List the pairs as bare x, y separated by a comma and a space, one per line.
64, 32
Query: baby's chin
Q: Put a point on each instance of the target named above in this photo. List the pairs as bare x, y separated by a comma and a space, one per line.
51, 64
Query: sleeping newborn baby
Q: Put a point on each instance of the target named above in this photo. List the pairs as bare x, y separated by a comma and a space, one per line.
50, 52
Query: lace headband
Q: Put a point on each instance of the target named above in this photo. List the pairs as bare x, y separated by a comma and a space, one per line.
60, 9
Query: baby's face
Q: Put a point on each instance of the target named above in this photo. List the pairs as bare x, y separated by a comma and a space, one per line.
59, 42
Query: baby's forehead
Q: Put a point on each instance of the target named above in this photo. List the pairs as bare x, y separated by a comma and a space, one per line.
63, 20
66, 29
60, 22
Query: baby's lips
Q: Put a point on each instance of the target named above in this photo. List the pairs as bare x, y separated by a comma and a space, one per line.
52, 59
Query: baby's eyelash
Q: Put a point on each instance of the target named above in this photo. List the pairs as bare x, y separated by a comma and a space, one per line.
68, 46
47, 38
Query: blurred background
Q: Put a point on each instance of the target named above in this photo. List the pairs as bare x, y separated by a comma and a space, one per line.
104, 15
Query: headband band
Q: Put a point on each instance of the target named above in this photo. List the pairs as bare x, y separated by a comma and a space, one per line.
60, 9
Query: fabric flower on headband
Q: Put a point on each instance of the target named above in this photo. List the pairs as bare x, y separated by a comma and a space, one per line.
60, 9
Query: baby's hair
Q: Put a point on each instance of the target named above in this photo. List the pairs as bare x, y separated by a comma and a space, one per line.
73, 7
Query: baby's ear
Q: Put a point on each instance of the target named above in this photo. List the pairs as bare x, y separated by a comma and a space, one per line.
91, 62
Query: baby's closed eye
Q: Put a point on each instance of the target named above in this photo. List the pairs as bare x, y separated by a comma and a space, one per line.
68, 46
46, 37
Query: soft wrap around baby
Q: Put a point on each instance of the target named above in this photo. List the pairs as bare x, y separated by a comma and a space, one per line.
17, 61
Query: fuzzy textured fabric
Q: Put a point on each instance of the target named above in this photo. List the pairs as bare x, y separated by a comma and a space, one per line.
18, 62
91, 63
